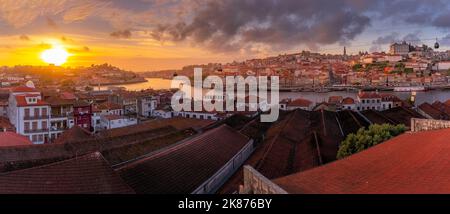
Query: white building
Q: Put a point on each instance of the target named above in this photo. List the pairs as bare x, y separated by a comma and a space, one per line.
163, 113
146, 106
367, 101
116, 121
399, 49
29, 114
442, 66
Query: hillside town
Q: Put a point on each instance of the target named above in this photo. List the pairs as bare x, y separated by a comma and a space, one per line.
403, 67
132, 141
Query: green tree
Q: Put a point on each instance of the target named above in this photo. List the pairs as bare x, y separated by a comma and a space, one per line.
409, 70
366, 138
357, 67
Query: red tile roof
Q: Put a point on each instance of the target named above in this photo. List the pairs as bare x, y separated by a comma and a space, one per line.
13, 139
348, 101
23, 89
410, 163
300, 103
74, 133
442, 107
290, 146
21, 101
88, 174
109, 106
183, 168
67, 96
369, 95
335, 99
433, 112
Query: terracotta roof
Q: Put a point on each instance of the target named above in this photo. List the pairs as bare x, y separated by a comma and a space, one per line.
13, 139
335, 99
369, 95
67, 96
56, 101
19, 89
183, 168
81, 103
447, 103
88, 174
109, 106
74, 133
178, 123
401, 115
300, 103
290, 146
442, 107
21, 101
410, 163
348, 101
433, 112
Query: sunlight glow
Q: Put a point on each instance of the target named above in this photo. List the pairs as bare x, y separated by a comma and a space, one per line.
56, 56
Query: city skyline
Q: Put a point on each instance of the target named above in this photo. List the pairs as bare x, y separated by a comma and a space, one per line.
149, 35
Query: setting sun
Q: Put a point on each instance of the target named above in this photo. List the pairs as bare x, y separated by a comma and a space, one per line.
56, 56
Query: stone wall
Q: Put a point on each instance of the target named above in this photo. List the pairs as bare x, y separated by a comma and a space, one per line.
418, 125
256, 183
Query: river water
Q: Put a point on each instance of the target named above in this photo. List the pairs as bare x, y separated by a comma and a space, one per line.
428, 96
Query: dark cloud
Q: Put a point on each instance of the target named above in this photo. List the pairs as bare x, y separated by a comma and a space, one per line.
231, 24
121, 34
442, 20
413, 38
382, 40
24, 37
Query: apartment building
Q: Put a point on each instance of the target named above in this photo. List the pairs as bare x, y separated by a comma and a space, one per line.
29, 113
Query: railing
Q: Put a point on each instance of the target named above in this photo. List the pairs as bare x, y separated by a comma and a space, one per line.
60, 116
40, 117
36, 131
58, 129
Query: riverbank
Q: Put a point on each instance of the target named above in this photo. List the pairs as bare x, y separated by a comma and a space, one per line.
118, 83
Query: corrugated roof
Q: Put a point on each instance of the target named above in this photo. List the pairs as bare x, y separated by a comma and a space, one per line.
89, 174
183, 168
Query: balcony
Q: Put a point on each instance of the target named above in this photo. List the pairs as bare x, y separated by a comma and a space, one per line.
40, 117
62, 115
58, 129
35, 131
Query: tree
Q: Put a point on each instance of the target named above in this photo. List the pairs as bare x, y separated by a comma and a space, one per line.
366, 138
409, 70
357, 67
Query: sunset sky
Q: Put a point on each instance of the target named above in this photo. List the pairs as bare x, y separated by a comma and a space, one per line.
143, 35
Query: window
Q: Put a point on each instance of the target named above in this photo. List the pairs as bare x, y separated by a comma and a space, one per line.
36, 112
27, 126
44, 112
27, 112
34, 138
44, 125
35, 126
40, 138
